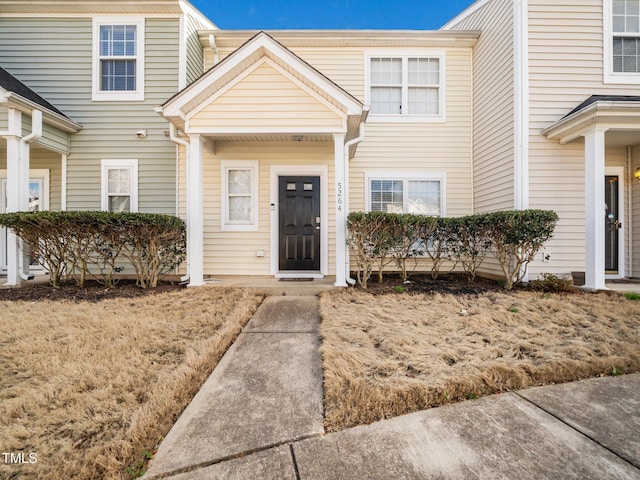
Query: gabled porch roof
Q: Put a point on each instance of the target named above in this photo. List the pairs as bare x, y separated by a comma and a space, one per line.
300, 77
17, 95
611, 112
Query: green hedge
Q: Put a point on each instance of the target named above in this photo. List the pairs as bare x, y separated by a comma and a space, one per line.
80, 245
514, 237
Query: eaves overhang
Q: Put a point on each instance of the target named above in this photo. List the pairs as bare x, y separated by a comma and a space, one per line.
50, 117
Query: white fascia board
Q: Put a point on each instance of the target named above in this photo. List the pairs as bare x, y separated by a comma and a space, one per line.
189, 9
261, 41
470, 10
49, 117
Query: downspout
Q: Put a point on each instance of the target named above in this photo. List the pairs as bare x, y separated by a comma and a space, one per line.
347, 146
178, 141
214, 48
36, 134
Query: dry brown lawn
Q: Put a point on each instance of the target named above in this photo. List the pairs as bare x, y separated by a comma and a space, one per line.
90, 387
389, 355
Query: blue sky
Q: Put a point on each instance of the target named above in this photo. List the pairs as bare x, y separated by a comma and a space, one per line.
331, 14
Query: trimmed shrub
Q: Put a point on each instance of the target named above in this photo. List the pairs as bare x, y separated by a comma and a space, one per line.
79, 245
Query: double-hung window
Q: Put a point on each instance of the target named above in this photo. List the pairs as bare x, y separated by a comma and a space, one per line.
415, 193
622, 41
118, 59
239, 196
406, 87
120, 185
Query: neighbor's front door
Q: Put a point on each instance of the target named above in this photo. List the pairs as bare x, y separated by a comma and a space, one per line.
299, 223
612, 224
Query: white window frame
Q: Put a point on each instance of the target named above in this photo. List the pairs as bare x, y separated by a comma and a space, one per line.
406, 177
105, 166
609, 75
405, 54
227, 225
118, 95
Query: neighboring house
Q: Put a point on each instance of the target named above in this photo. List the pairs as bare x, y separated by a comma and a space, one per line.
264, 142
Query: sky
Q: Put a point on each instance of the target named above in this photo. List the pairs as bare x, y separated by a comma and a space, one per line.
331, 14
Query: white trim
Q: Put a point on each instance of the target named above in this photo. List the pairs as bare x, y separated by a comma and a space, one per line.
277, 171
182, 53
195, 212
261, 43
341, 208
63, 182
619, 172
406, 176
98, 95
470, 10
221, 131
405, 54
610, 76
254, 167
189, 9
267, 61
521, 106
105, 166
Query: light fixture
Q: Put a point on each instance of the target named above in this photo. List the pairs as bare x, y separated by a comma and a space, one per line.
637, 173
141, 133
297, 138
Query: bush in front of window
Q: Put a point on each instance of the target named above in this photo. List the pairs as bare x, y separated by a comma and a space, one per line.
77, 246
513, 237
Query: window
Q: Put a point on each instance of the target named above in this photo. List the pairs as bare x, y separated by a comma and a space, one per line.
415, 194
239, 196
120, 185
118, 59
405, 87
622, 41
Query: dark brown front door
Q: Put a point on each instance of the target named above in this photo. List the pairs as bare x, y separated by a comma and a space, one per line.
299, 223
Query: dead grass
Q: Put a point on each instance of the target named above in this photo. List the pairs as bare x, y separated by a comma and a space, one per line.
389, 355
90, 387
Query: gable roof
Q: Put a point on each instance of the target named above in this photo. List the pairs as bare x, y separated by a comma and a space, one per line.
26, 99
603, 98
12, 84
256, 48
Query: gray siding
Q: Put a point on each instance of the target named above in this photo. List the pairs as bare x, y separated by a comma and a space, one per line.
61, 48
195, 55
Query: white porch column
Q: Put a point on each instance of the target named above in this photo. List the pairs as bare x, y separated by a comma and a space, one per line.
13, 192
594, 156
341, 211
195, 216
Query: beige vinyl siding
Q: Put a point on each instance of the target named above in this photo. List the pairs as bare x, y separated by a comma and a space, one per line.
58, 46
42, 159
234, 253
265, 98
566, 67
342, 65
4, 118
493, 105
195, 57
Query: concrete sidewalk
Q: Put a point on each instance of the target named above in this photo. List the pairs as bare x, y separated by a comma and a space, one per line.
259, 416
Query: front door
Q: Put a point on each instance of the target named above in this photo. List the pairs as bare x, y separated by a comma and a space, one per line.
613, 224
299, 223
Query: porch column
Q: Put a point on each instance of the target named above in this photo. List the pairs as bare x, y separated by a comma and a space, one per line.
195, 217
341, 211
13, 192
594, 156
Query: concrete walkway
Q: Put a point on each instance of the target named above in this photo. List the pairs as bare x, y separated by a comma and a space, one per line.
259, 416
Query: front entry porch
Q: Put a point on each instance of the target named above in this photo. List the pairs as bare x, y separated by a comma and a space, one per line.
610, 128
264, 124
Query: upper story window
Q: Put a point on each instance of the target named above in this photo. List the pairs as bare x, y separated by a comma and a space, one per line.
405, 87
118, 63
622, 41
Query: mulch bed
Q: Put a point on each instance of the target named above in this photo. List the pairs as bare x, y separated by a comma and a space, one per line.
455, 284
92, 291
